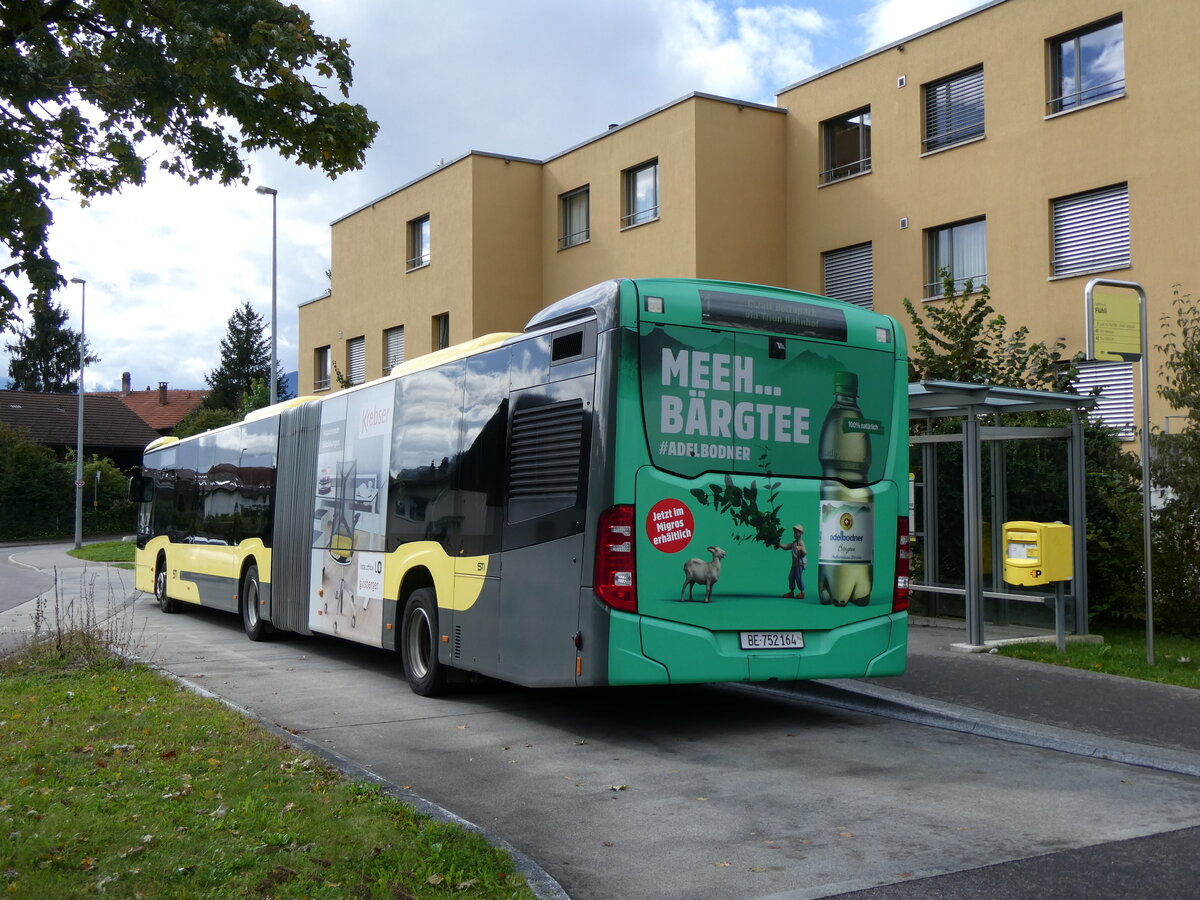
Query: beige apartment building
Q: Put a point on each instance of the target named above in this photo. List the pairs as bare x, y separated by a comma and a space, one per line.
1028, 145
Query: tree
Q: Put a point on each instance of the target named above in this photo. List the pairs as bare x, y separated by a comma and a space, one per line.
966, 340
1174, 470
203, 419
45, 357
245, 359
86, 85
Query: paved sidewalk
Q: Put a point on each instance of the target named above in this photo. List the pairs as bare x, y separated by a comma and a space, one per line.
67, 581
1054, 707
1108, 705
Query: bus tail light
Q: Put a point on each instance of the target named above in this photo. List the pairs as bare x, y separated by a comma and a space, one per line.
903, 566
614, 580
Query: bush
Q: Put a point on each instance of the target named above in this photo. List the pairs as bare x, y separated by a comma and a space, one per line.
1175, 472
34, 488
37, 492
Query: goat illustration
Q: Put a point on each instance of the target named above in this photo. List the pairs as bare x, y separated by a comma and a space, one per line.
697, 571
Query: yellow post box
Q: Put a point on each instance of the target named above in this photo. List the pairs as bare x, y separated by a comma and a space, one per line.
1037, 553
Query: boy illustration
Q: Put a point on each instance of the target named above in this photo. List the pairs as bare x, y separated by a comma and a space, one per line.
799, 560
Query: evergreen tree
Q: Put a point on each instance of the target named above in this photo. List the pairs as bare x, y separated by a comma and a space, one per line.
245, 358
45, 356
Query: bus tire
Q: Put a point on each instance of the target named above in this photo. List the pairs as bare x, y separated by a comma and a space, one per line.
418, 644
257, 628
166, 603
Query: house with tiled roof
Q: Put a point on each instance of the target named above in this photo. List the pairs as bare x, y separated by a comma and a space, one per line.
161, 408
110, 428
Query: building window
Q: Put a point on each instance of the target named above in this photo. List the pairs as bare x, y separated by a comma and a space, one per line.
1087, 66
953, 110
418, 243
1114, 402
393, 348
321, 368
641, 194
576, 216
847, 145
849, 275
356, 360
957, 252
1090, 231
441, 331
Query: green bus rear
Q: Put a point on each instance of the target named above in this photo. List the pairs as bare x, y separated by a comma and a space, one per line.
758, 526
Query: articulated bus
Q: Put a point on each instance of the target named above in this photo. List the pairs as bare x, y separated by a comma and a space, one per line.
659, 481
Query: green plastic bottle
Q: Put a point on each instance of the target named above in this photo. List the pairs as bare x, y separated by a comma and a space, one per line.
847, 510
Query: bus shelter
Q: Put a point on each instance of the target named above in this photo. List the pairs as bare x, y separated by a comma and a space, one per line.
982, 408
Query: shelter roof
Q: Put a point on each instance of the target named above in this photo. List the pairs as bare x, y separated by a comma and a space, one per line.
936, 399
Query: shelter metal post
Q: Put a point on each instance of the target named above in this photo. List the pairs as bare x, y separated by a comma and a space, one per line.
972, 528
930, 518
999, 511
1077, 511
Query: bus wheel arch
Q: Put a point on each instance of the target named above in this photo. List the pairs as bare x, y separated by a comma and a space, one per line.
419, 643
256, 627
166, 602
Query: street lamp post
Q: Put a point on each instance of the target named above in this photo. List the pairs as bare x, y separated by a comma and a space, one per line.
274, 270
79, 424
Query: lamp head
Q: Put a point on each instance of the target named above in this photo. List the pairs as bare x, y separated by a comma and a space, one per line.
78, 281
261, 189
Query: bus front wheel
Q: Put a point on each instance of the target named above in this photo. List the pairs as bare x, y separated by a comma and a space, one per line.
166, 603
252, 621
418, 643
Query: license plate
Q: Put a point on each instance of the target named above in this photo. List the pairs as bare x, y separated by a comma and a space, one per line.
772, 640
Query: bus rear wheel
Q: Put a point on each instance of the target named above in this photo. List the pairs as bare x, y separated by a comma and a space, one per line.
418, 644
166, 603
257, 629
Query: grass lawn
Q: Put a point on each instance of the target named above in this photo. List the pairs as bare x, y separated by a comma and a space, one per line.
118, 552
118, 781
1123, 653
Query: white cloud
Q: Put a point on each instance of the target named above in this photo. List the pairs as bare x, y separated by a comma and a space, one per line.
892, 20
747, 52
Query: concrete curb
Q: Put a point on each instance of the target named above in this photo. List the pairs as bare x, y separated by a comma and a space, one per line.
856, 696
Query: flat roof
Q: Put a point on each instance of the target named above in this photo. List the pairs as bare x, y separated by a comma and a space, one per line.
612, 129
893, 45
937, 399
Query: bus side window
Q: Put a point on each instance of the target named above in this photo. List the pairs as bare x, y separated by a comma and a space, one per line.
573, 345
421, 499
141, 488
481, 470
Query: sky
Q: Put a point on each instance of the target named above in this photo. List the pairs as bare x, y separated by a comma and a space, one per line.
166, 264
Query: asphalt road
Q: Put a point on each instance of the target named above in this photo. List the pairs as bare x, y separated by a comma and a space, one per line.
688, 792
21, 580
708, 791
